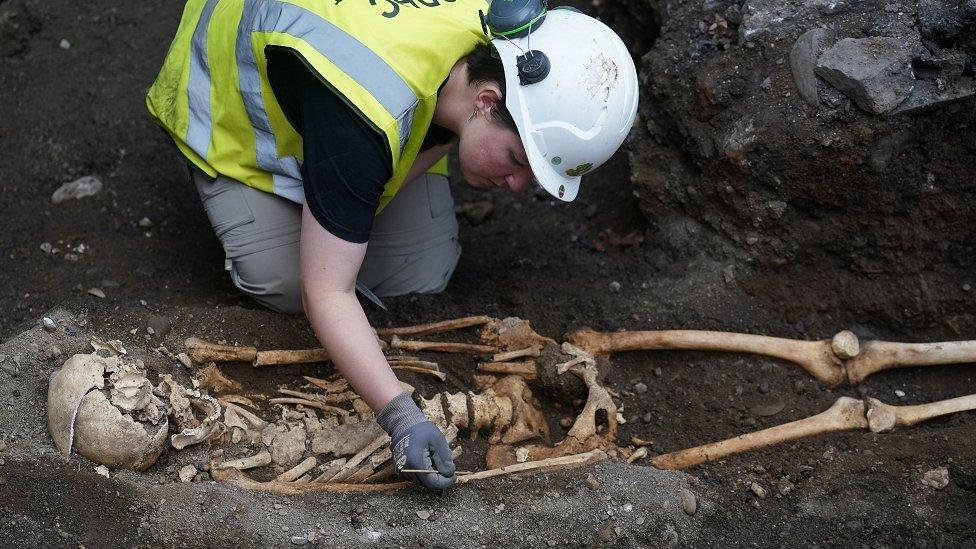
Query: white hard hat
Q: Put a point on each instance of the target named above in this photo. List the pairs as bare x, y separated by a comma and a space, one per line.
573, 118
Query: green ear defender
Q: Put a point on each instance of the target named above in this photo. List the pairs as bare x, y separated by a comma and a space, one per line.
513, 18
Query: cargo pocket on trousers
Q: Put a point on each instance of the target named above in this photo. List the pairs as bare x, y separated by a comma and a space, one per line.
227, 208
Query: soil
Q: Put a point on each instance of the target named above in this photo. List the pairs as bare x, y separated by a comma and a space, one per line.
78, 111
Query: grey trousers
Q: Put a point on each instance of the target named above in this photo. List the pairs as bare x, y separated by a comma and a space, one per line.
413, 247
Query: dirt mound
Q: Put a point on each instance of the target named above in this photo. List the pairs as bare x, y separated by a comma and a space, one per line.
828, 149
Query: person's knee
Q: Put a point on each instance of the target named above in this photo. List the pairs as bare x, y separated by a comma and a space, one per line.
424, 273
272, 283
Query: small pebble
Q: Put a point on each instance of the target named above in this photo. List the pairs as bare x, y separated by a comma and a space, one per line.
299, 540
187, 472
639, 521
614, 286
647, 418
64, 44
899, 393
628, 507
46, 247
592, 482
966, 287
640, 388
97, 292
372, 535
423, 515
658, 372
689, 502
937, 478
764, 387
102, 470
145, 223
49, 324
758, 490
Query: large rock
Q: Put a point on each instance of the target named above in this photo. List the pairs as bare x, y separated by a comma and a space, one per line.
816, 203
803, 61
874, 72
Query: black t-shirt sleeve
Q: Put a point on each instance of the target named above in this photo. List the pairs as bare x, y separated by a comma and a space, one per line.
347, 162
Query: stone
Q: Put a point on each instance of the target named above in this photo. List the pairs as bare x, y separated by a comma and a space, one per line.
640, 388
614, 286
299, 540
477, 212
97, 292
689, 502
64, 44
758, 490
145, 223
423, 515
937, 478
103, 470
79, 188
48, 324
160, 325
593, 483
929, 95
669, 536
803, 60
187, 472
768, 407
875, 72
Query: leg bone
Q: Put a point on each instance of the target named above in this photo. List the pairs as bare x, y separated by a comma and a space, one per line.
845, 414
884, 417
876, 356
816, 357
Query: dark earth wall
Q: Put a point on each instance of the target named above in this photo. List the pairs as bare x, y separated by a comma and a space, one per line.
854, 195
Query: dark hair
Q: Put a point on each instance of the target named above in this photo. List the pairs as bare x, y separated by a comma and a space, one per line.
484, 66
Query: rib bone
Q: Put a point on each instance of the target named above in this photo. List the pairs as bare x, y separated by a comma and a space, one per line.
435, 327
525, 369
441, 346
259, 459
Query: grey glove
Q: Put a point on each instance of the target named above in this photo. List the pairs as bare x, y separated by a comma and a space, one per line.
417, 443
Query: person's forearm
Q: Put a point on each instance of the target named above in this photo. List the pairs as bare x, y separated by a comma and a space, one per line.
342, 327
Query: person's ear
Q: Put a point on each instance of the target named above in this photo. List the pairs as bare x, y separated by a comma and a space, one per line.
486, 97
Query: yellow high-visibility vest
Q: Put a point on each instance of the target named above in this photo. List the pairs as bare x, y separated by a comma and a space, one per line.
385, 58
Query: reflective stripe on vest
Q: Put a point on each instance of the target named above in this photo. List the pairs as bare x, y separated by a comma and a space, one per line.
218, 41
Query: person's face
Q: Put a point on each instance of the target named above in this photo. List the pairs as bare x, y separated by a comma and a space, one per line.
492, 155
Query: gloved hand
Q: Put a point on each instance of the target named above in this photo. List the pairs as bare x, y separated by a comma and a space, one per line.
417, 443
